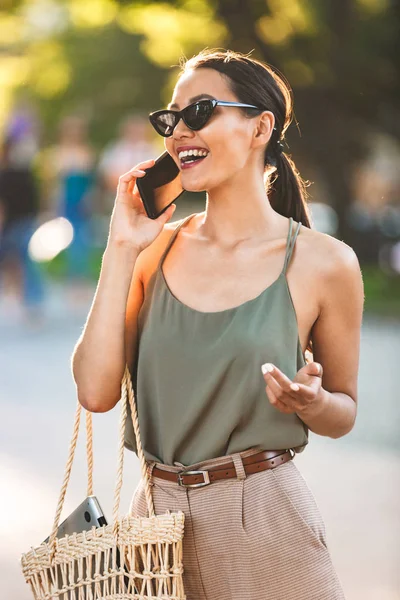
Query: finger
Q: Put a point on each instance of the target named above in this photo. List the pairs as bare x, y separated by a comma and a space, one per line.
312, 369
277, 403
131, 185
305, 391
139, 169
167, 214
273, 385
283, 381
133, 189
295, 400
135, 192
145, 163
127, 178
140, 172
317, 369
283, 398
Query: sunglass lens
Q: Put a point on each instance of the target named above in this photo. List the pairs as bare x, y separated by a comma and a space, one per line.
197, 115
164, 123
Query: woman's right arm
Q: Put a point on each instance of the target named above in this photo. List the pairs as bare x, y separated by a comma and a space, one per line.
108, 340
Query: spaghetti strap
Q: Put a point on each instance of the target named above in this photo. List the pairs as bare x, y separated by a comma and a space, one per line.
290, 244
172, 238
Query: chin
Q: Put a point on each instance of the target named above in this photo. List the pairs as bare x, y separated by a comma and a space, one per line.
194, 186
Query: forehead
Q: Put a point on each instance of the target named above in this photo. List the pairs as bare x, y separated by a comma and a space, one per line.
198, 83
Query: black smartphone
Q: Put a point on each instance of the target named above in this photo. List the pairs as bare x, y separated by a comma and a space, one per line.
161, 185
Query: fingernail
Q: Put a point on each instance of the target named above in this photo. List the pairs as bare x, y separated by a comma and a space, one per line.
294, 387
267, 368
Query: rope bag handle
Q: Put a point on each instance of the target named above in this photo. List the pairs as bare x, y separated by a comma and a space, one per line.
127, 395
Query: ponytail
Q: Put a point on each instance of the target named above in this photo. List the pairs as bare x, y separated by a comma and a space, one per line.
286, 189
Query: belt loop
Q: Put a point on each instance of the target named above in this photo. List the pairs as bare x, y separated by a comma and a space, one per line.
238, 462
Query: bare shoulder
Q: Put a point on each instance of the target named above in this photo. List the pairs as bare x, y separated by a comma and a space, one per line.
149, 258
327, 255
332, 264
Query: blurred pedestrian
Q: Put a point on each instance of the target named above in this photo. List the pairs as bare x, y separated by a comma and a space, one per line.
72, 167
133, 144
23, 127
19, 208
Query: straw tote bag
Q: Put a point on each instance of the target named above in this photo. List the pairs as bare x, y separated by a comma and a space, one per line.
135, 557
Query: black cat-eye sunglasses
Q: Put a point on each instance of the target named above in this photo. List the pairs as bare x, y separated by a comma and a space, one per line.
195, 116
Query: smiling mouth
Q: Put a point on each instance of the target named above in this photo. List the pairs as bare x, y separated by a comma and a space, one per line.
192, 158
192, 162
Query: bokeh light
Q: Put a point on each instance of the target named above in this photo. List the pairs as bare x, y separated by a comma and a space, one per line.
50, 239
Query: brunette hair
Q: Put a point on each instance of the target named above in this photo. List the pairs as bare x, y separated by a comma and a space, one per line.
254, 82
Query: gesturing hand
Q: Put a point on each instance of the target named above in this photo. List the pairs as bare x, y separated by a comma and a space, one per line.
303, 395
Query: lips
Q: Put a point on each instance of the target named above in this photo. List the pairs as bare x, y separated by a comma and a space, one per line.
191, 163
190, 156
182, 148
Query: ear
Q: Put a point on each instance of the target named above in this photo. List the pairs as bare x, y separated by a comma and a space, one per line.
265, 124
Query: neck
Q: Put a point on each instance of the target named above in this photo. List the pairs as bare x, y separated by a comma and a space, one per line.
238, 210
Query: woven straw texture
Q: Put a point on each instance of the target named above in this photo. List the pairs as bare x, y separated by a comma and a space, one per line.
135, 557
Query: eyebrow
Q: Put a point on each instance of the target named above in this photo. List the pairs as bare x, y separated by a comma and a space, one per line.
194, 99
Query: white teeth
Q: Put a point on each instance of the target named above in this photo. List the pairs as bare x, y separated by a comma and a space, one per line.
194, 152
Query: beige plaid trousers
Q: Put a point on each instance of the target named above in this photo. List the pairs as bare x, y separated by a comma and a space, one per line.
256, 537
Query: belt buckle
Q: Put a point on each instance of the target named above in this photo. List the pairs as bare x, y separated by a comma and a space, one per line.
194, 485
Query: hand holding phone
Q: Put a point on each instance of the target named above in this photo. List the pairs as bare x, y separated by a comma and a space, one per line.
130, 225
161, 185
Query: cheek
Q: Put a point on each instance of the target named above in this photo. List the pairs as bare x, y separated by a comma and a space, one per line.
231, 148
229, 159
169, 146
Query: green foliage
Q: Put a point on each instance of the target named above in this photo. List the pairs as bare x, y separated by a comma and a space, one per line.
382, 291
110, 78
171, 31
56, 268
104, 58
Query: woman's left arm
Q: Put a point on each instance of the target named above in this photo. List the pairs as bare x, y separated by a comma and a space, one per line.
326, 398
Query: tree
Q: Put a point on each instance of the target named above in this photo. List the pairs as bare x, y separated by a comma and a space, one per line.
109, 56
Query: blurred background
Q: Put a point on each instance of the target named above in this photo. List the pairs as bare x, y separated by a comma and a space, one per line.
77, 80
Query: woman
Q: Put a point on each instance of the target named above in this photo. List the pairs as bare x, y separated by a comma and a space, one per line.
229, 299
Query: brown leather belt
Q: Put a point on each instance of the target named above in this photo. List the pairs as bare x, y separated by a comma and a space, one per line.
266, 459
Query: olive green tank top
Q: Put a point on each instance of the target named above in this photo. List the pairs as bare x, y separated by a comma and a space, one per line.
197, 377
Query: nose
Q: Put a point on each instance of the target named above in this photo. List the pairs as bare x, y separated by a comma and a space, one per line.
181, 129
